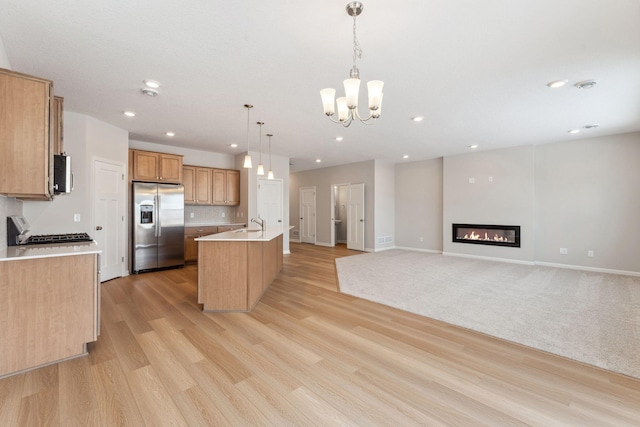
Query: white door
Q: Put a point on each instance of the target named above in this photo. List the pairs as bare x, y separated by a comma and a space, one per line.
355, 221
308, 215
108, 217
270, 201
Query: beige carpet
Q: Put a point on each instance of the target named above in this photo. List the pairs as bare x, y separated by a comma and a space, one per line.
589, 317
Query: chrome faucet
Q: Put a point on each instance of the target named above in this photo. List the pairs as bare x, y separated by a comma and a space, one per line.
260, 222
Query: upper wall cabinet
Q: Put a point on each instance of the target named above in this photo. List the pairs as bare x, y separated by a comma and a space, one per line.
155, 167
26, 167
197, 185
226, 187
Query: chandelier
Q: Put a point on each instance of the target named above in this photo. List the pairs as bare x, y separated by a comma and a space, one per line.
348, 105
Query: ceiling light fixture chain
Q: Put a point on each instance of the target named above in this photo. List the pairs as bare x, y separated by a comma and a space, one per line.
348, 104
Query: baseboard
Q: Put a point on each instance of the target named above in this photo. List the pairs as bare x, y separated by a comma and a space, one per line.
593, 269
286, 252
429, 251
324, 244
487, 258
294, 240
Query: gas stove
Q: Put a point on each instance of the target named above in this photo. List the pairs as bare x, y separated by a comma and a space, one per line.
42, 239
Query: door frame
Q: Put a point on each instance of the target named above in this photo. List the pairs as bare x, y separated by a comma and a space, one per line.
122, 199
360, 223
333, 212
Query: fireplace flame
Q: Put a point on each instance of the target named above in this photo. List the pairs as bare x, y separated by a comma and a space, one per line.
475, 236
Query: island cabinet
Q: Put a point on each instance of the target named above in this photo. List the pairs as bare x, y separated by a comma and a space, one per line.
197, 185
49, 310
235, 271
150, 166
26, 162
226, 187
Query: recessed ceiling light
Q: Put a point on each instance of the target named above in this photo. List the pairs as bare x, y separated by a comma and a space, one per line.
406, 156
339, 138
129, 114
593, 126
574, 131
318, 161
151, 83
149, 92
557, 83
586, 84
417, 118
170, 134
233, 145
473, 146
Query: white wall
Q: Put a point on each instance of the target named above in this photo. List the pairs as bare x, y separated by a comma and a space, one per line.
418, 206
384, 204
588, 199
4, 59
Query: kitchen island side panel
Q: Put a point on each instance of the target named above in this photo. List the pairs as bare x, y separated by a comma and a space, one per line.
222, 276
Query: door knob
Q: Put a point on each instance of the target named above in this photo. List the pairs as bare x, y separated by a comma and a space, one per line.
279, 220
98, 227
362, 220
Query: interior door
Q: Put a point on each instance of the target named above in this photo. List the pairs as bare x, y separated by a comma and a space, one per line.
308, 215
108, 215
270, 201
355, 222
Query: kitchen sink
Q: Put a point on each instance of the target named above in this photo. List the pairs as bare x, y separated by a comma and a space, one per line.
245, 230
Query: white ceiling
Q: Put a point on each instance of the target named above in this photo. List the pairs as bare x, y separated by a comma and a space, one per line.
475, 69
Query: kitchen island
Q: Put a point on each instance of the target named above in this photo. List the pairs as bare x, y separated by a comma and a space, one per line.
49, 304
236, 267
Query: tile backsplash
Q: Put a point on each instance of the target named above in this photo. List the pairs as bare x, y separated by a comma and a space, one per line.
210, 214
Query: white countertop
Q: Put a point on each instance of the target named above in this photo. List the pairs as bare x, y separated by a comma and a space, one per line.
16, 253
214, 224
248, 235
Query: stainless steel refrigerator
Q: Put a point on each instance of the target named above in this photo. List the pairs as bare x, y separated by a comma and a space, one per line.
158, 226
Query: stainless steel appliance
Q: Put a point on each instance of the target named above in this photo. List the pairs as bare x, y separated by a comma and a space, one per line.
62, 175
18, 234
158, 226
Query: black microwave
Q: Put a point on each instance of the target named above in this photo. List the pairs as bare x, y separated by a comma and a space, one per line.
62, 175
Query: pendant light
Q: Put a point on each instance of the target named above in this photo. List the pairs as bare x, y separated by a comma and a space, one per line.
260, 167
270, 174
247, 157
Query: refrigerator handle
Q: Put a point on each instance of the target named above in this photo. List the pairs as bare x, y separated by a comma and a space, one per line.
159, 221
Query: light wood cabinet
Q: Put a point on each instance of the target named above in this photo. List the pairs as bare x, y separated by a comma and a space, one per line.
58, 125
226, 187
190, 245
26, 162
50, 310
155, 167
197, 185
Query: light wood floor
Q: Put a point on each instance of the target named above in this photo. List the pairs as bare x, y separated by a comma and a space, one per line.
306, 356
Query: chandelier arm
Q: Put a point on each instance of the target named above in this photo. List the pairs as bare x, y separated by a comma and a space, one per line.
357, 114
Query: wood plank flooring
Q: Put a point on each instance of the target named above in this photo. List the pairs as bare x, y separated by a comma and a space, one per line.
306, 356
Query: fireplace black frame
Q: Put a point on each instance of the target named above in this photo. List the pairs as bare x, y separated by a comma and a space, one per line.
511, 228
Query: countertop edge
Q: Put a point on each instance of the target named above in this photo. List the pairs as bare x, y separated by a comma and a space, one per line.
239, 236
17, 253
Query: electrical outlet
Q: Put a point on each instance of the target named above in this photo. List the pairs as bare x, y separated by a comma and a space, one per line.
590, 253
564, 251
472, 180
76, 217
191, 215
222, 214
421, 239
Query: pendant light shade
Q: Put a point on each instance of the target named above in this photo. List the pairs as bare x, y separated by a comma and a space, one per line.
260, 167
270, 174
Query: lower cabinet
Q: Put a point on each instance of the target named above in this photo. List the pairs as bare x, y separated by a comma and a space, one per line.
49, 310
190, 245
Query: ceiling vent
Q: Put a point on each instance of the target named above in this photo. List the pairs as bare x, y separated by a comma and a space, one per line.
149, 92
587, 84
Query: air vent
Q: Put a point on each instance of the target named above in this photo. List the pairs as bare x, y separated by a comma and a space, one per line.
587, 84
149, 92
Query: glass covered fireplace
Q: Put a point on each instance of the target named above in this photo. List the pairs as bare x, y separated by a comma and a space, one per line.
483, 234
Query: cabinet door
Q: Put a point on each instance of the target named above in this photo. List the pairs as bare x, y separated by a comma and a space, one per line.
190, 249
203, 186
25, 136
170, 166
58, 125
233, 187
219, 196
145, 166
189, 182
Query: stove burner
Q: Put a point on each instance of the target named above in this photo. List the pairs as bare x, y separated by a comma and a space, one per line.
57, 238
